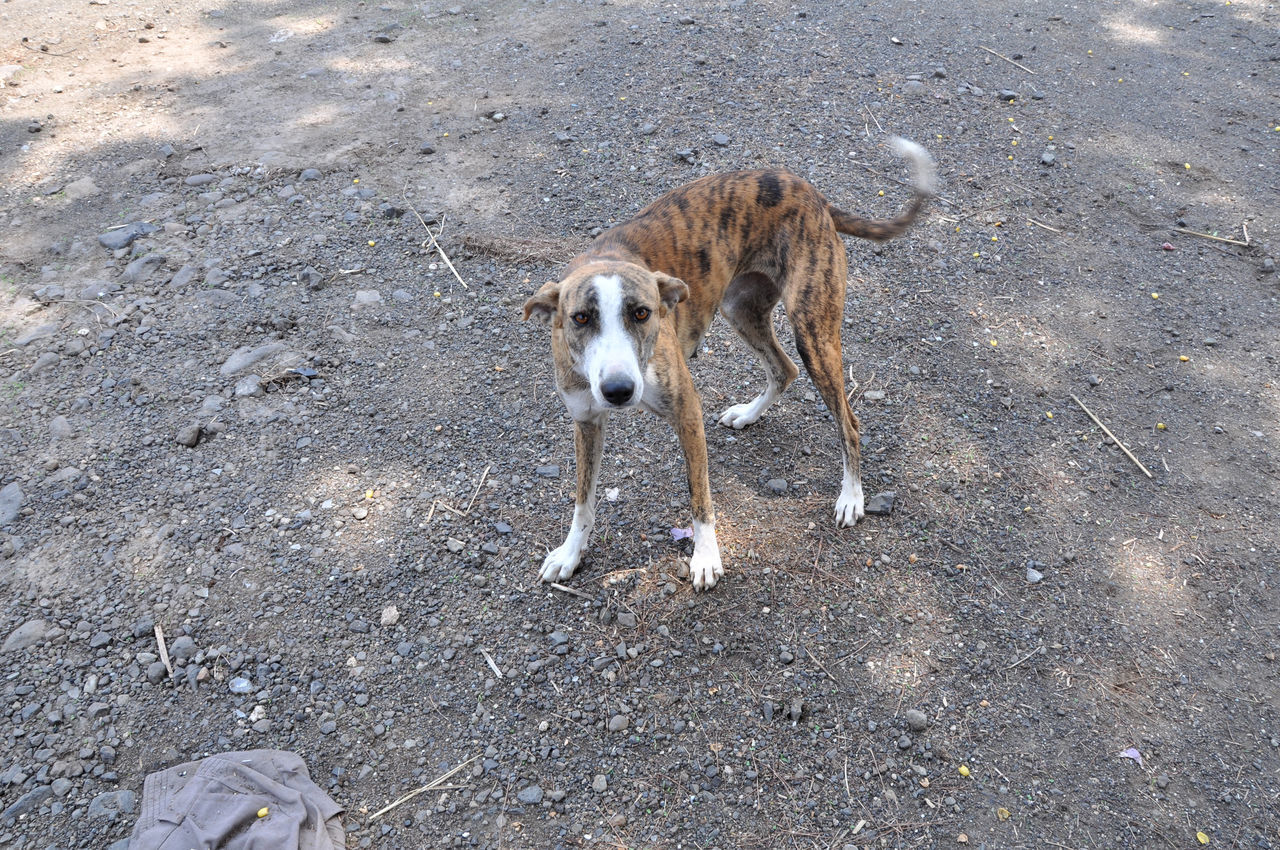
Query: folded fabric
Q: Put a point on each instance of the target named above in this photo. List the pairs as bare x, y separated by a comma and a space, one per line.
253, 800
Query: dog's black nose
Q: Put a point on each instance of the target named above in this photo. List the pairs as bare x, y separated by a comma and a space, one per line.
617, 390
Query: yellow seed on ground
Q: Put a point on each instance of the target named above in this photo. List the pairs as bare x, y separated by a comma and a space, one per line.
1186, 165
1048, 414
263, 812
1184, 358
356, 180
1002, 813
1155, 295
372, 243
368, 494
994, 343
964, 770
1159, 426
882, 193
1200, 836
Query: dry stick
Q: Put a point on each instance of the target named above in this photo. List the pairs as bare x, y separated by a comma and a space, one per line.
570, 590
430, 786
1245, 228
819, 663
1107, 431
164, 650
1024, 658
477, 492
436, 245
492, 664
1045, 226
1007, 59
873, 118
1210, 236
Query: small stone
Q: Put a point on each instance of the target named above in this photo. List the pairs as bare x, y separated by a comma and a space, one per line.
240, 685
390, 616
188, 435
686, 20
777, 485
786, 657
917, 720
61, 786
940, 72
648, 128
551, 471
619, 723
881, 503
366, 298
766, 710
558, 638
904, 742
502, 527
28, 634
156, 672
1036, 94
1034, 576
1268, 266
384, 38
913, 87
250, 386
1048, 158
11, 499
426, 149
1006, 95
200, 179
246, 356
1162, 781
454, 544
123, 237
310, 174
600, 784
182, 649
98, 709
311, 279
328, 727
796, 710
60, 428
45, 362
720, 139
360, 512
530, 795
358, 626
490, 548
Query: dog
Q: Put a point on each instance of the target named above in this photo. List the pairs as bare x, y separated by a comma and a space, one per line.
632, 310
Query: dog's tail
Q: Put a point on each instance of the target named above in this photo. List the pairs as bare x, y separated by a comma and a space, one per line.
922, 178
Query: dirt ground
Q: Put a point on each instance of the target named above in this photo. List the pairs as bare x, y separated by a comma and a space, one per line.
245, 401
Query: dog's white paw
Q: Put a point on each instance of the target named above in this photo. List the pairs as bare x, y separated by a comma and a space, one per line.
561, 562
740, 415
849, 507
705, 568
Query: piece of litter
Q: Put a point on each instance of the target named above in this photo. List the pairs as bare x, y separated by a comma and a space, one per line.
681, 533
611, 494
1132, 753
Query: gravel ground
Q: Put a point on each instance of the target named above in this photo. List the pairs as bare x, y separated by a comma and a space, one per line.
246, 403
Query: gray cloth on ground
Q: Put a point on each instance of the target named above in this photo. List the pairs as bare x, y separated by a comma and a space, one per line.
213, 804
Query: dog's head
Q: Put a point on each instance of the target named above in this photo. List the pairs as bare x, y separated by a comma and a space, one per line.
608, 316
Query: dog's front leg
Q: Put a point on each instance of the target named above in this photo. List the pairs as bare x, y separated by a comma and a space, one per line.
705, 568
588, 441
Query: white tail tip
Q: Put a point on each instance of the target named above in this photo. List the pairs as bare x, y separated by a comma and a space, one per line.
922, 170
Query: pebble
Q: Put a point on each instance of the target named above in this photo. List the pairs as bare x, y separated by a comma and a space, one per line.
390, 616
454, 544
26, 803
240, 685
188, 435
904, 742
156, 672
366, 298
45, 362
648, 128
1162, 781
244, 357
310, 174
328, 727
881, 503
60, 428
917, 720
720, 139
1268, 265
600, 784
530, 795
200, 179
1006, 94
182, 649
551, 471
502, 527
250, 386
1034, 576
28, 634
360, 512
619, 723
1048, 158
11, 499
777, 485
114, 240
426, 149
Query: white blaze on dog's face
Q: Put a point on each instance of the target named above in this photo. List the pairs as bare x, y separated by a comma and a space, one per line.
608, 317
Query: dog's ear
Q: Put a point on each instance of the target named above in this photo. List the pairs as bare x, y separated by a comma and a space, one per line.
673, 290
544, 303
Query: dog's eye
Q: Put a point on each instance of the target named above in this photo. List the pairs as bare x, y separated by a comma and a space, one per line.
580, 318
641, 314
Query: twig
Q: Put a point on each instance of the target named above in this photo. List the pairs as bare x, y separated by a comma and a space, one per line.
1245, 228
1023, 658
570, 590
873, 117
430, 786
434, 244
819, 663
164, 650
477, 492
1107, 431
492, 665
1007, 59
1045, 226
1210, 236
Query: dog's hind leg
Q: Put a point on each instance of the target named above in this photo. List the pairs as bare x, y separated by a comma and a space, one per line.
816, 308
748, 306
588, 440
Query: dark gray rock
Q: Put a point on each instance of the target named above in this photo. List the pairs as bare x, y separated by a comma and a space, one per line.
28, 634
777, 485
11, 499
123, 237
881, 503
530, 795
27, 802
917, 720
